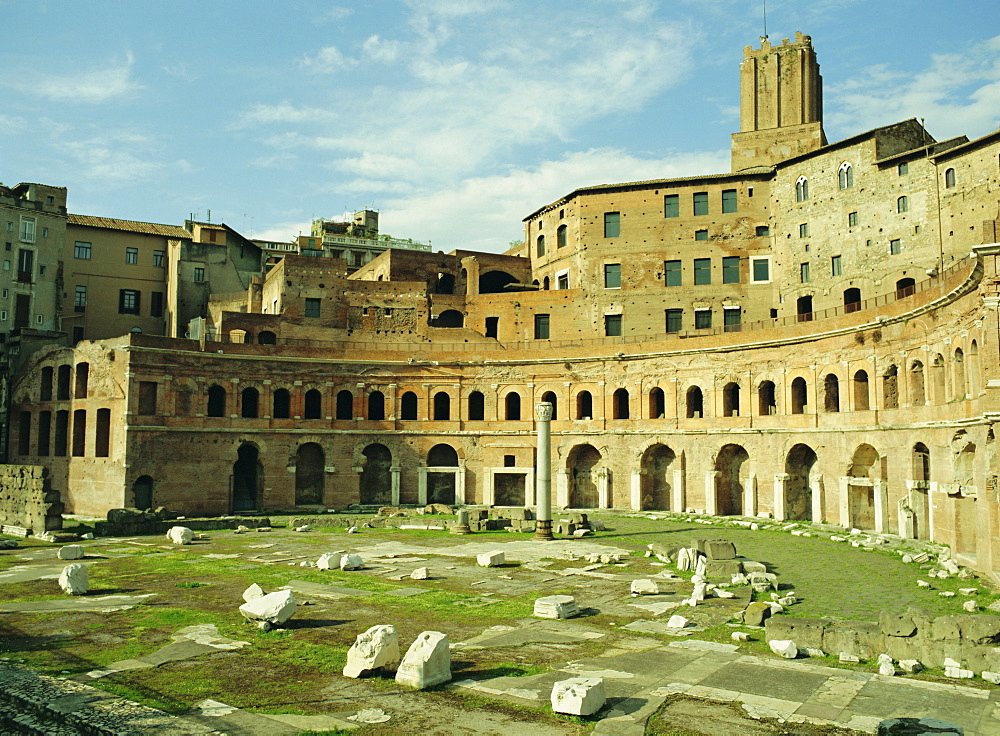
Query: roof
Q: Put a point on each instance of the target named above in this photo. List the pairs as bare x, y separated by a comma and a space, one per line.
111, 223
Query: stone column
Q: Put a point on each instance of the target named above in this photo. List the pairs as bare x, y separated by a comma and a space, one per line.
780, 485
750, 495
636, 489
932, 490
711, 507
422, 485
817, 499
679, 492
543, 472
562, 488
603, 488
881, 502
460, 484
844, 502
395, 470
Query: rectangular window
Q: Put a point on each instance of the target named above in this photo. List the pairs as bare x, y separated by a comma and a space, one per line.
612, 275
703, 319
804, 273
561, 237
27, 230
82, 250
562, 280
701, 234
613, 325
731, 270
131, 255
612, 224
895, 247
903, 168
312, 307
541, 327
728, 200
25, 265
671, 205
77, 334
199, 274
80, 299
836, 266
702, 271
128, 301
804, 230
852, 219
760, 270
701, 203
672, 273
147, 397
731, 317
156, 304
158, 256
763, 230
675, 320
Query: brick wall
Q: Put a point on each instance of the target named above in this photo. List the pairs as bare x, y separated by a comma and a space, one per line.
26, 499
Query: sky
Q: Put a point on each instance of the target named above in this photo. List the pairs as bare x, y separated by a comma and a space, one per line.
455, 119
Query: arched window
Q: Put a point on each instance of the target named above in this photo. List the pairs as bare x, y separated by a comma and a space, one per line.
846, 175
345, 405
266, 337
513, 406
695, 402
550, 397
861, 400
445, 284
949, 179
917, 395
921, 465
831, 393
852, 300
216, 401
450, 318
620, 408
442, 406
282, 404
561, 237
973, 368
249, 401
767, 404
731, 400
958, 374
903, 204
800, 396
890, 388
313, 404
804, 308
546, 283
82, 379
938, 380
540, 246
408, 406
584, 405
657, 404
477, 406
46, 384
62, 382
801, 189
376, 406
493, 282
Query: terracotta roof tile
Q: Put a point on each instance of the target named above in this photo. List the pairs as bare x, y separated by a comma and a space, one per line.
111, 223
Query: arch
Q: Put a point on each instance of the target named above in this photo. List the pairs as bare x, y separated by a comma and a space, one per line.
493, 282
657, 477
767, 404
142, 493
408, 406
965, 465
281, 402
938, 380
310, 474
266, 337
804, 308
890, 388
450, 318
249, 403
345, 405
731, 400
958, 374
965, 502
950, 179
62, 382
657, 403
540, 246
800, 467
375, 483
861, 396
582, 463
728, 481
561, 236
973, 368
550, 397
620, 404
216, 401
477, 406
905, 287
313, 408
920, 465
801, 189
902, 204
376, 406
236, 337
845, 176
831, 393
694, 403
861, 496
82, 380
46, 384
584, 405
800, 395
442, 455
442, 406
546, 283
917, 383
247, 479
852, 300
445, 284
512, 406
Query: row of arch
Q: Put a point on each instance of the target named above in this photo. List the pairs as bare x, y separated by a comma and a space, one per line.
845, 180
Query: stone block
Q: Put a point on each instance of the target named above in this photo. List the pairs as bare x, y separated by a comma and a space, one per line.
752, 566
74, 579
329, 561
578, 696
958, 673
677, 621
664, 552
421, 573
427, 662
918, 727
756, 613
377, 648
849, 658
784, 648
722, 569
910, 666
894, 625
351, 562
71, 552
993, 677
556, 606
491, 559
253, 593
270, 610
763, 581
983, 629
719, 549
180, 535
437, 508
740, 636
645, 587
946, 628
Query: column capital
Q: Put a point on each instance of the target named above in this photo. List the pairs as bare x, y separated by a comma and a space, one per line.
543, 411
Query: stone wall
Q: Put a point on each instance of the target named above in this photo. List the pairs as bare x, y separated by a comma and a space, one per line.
26, 500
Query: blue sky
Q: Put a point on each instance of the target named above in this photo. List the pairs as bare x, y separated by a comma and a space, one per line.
454, 118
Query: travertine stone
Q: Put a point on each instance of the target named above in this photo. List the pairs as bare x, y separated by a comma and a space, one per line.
180, 535
329, 561
784, 648
645, 587
351, 562
491, 559
71, 552
427, 662
556, 606
677, 621
421, 573
253, 593
270, 610
918, 727
377, 648
578, 696
74, 579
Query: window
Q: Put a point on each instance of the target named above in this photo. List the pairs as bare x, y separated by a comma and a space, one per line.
25, 265
804, 273
852, 219
562, 280
903, 169
760, 270
801, 189
612, 275
492, 324
702, 271
541, 327
128, 301
561, 237
846, 176
671, 205
28, 229
728, 200
903, 204
613, 325
895, 247
804, 230
731, 317
82, 250
672, 273
701, 203
477, 406
612, 224
836, 266
675, 320
199, 274
540, 246
80, 299
703, 319
156, 304
158, 257
731, 270
131, 255
312, 307
701, 234
763, 230
147, 397
949, 183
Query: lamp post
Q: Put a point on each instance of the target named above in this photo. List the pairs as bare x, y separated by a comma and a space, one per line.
543, 472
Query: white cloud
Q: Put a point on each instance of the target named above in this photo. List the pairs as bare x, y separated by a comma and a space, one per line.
87, 86
117, 158
328, 59
333, 15
381, 50
285, 112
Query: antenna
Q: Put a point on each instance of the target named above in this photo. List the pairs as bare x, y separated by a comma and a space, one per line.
764, 37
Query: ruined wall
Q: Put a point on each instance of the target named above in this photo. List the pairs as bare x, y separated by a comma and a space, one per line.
26, 500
